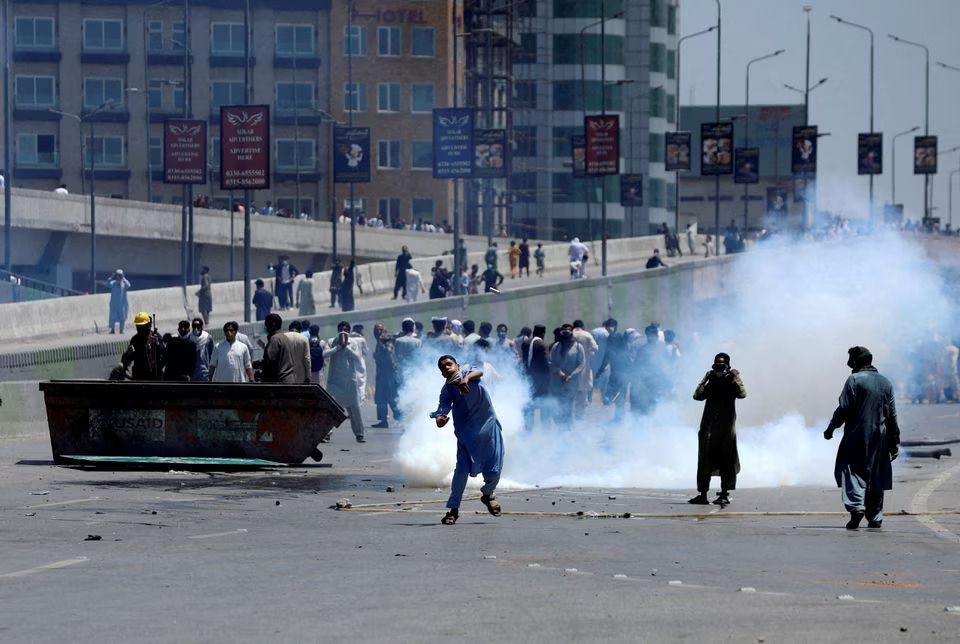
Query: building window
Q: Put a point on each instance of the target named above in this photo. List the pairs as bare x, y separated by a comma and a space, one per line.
656, 147
108, 151
657, 190
293, 154
388, 154
37, 150
421, 208
671, 63
98, 91
525, 141
657, 19
102, 35
226, 93
423, 42
155, 35
295, 40
388, 41
572, 49
671, 108
658, 57
388, 210
214, 156
294, 97
34, 33
421, 155
35, 91
671, 20
656, 102
179, 97
585, 8
155, 94
289, 204
178, 36
156, 152
227, 39
421, 97
354, 40
358, 206
388, 97
355, 97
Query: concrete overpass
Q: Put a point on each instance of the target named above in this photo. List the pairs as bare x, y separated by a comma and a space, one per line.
50, 240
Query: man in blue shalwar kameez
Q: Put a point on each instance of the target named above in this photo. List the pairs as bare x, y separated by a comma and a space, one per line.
871, 439
479, 440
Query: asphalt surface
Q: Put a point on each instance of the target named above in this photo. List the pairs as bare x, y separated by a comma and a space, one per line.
262, 556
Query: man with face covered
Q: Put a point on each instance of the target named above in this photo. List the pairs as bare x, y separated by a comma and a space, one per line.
717, 440
344, 365
181, 355
871, 439
204, 343
567, 362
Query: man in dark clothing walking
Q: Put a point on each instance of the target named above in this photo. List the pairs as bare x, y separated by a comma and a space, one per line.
181, 360
717, 451
400, 273
871, 439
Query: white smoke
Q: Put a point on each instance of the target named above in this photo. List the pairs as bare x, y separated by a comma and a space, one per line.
795, 312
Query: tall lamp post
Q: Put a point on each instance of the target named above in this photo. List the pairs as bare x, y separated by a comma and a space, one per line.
926, 116
7, 216
583, 93
746, 131
716, 118
676, 179
893, 162
950, 198
869, 31
88, 118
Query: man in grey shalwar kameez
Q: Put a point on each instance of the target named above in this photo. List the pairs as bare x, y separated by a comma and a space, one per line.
567, 362
717, 452
344, 364
871, 439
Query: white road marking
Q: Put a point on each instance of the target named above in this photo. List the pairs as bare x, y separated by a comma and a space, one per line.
218, 534
918, 505
50, 505
49, 566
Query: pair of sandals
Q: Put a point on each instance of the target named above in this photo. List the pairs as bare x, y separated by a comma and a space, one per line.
453, 513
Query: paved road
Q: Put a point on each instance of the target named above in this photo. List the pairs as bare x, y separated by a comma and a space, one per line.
261, 556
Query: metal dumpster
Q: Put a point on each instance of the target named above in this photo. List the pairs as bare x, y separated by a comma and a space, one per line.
279, 423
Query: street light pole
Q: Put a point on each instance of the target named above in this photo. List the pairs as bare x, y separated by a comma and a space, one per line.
676, 179
248, 94
926, 117
746, 132
893, 163
869, 31
950, 198
716, 118
8, 175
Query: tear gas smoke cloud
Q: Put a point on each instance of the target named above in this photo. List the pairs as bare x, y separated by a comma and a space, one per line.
795, 312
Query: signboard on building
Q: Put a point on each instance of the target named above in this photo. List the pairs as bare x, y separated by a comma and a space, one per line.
677, 152
578, 143
631, 190
925, 155
716, 148
453, 143
804, 152
184, 151
870, 153
489, 154
351, 154
602, 134
746, 165
244, 147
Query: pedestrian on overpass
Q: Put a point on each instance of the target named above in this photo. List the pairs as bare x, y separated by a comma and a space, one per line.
119, 307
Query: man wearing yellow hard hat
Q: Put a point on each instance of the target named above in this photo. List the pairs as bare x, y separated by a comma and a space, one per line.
144, 352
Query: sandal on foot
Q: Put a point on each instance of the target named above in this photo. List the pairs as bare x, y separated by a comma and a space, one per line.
450, 517
492, 506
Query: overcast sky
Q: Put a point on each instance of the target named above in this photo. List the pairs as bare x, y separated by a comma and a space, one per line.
754, 28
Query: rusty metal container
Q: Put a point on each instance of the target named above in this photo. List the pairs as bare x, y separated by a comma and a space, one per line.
280, 423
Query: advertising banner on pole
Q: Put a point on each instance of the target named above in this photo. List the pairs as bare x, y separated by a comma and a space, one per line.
925, 155
631, 190
804, 154
870, 153
184, 151
747, 163
351, 154
244, 147
716, 148
578, 144
453, 143
677, 152
489, 154
603, 144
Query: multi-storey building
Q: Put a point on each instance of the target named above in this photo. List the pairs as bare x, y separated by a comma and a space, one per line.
580, 57
93, 82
